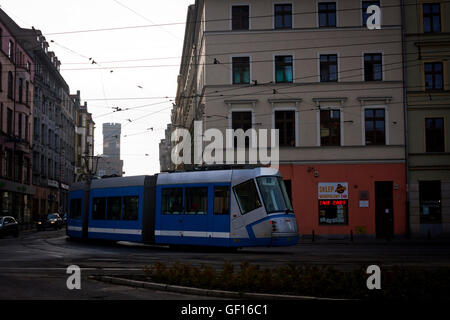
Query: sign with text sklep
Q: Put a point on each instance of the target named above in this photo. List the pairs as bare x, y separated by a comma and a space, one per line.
333, 203
333, 190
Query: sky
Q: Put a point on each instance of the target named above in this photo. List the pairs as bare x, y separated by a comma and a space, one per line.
144, 62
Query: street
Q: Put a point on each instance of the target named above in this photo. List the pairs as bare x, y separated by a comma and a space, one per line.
33, 266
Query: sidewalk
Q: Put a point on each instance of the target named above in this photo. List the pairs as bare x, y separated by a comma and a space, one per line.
347, 239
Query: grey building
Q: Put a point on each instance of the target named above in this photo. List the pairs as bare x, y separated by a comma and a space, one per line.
109, 163
53, 127
84, 139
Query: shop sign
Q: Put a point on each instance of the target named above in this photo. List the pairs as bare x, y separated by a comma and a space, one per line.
333, 203
333, 190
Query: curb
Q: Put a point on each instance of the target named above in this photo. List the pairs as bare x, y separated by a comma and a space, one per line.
204, 292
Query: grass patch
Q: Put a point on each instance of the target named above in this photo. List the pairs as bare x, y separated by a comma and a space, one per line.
396, 282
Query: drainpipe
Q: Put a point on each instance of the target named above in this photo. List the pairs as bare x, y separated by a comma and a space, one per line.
405, 115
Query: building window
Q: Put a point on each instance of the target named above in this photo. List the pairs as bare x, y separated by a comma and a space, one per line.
11, 50
27, 93
328, 68
20, 90
285, 123
283, 69
364, 6
7, 165
222, 200
330, 127
433, 76
373, 70
434, 135
19, 133
241, 70
283, 16
431, 17
375, 126
27, 128
26, 165
43, 169
327, 14
10, 85
1, 74
333, 212
430, 201
9, 121
241, 120
240, 17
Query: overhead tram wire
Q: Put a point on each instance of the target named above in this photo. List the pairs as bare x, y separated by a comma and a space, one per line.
316, 108
218, 20
145, 18
240, 42
217, 94
215, 55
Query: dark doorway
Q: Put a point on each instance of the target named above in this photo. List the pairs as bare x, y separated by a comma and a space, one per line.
384, 209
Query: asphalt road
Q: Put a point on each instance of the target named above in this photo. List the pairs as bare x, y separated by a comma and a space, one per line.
34, 265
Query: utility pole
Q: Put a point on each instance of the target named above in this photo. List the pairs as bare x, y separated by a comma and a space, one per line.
87, 190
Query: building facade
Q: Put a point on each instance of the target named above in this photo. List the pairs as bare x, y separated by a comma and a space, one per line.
427, 49
53, 128
85, 164
109, 162
16, 124
332, 87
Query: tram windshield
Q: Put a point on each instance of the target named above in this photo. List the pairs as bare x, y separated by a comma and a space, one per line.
273, 192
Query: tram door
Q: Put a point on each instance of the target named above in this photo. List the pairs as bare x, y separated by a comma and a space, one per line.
219, 222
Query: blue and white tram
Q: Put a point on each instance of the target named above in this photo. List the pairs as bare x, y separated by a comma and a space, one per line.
227, 208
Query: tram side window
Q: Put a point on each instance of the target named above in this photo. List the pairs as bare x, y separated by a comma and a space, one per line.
130, 208
221, 200
247, 196
98, 208
172, 201
197, 200
75, 208
113, 208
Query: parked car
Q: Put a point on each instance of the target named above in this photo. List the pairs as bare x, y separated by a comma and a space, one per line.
53, 220
9, 226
